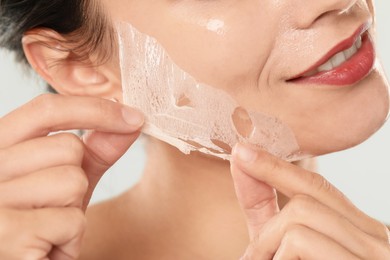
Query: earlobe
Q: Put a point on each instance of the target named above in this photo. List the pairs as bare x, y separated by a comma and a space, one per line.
47, 53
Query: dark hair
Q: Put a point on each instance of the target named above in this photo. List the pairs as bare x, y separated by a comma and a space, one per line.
82, 22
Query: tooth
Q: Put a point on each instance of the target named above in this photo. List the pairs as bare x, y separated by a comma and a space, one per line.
350, 52
325, 67
310, 73
359, 42
338, 59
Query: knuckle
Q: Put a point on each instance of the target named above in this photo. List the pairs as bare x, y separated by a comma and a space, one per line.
383, 232
375, 247
79, 220
321, 183
77, 181
377, 250
299, 205
70, 140
294, 238
72, 145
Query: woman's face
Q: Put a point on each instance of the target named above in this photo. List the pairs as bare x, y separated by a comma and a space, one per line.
254, 48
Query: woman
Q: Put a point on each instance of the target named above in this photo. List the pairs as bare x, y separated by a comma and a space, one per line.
189, 207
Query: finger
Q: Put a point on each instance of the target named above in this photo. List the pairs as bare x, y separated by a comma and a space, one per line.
67, 237
303, 243
51, 113
31, 234
300, 242
39, 154
305, 211
292, 180
52, 187
102, 151
257, 199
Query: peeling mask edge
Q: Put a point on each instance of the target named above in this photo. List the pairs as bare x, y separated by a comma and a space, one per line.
189, 115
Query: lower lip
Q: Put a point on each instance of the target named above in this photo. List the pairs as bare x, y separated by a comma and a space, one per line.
350, 72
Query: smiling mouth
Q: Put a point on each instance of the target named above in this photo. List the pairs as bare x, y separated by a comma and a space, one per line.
346, 64
338, 59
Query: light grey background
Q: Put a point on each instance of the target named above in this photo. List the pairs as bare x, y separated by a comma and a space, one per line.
362, 173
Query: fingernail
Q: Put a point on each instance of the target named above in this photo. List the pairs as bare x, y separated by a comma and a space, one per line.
244, 153
132, 116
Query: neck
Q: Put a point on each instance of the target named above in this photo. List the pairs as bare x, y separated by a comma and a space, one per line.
187, 204
195, 193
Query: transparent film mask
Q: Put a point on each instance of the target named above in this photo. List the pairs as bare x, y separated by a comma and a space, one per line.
190, 115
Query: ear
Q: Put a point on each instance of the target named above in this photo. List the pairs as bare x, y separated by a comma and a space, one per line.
52, 58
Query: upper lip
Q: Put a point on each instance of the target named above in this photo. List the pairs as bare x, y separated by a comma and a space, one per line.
342, 46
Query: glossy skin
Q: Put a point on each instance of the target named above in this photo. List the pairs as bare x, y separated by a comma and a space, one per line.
189, 207
255, 49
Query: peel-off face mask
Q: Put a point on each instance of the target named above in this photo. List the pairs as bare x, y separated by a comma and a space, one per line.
190, 115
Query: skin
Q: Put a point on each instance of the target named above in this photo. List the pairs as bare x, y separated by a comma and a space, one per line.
51, 189
259, 45
216, 210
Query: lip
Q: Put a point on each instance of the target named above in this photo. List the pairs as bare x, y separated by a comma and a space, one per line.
351, 71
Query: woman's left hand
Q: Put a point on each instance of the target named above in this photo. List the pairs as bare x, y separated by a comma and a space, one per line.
318, 222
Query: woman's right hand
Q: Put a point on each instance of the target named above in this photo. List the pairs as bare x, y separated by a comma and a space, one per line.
46, 181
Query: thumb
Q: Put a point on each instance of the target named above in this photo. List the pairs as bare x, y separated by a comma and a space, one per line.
257, 199
102, 150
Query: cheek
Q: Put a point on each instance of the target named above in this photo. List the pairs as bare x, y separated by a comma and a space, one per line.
223, 50
225, 63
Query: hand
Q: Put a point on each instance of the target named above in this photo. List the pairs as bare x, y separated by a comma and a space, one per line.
46, 181
319, 222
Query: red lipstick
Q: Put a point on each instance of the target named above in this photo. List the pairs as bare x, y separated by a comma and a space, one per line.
349, 72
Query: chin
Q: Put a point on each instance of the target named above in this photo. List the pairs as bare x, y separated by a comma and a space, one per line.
339, 142
364, 110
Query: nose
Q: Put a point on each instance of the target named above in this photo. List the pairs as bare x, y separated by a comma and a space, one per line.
313, 10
